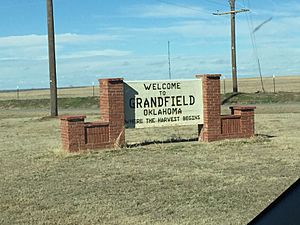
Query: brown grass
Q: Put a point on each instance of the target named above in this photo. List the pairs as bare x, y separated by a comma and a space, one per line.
225, 182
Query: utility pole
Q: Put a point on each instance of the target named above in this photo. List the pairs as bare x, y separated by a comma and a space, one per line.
169, 58
233, 47
52, 63
232, 13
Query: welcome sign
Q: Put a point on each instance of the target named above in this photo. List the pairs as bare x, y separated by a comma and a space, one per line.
163, 103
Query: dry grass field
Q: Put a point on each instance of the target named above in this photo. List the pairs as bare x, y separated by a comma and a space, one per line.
224, 182
248, 85
152, 180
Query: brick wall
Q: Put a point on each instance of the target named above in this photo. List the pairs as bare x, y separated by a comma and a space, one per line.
112, 108
211, 130
76, 134
239, 124
108, 132
72, 132
246, 121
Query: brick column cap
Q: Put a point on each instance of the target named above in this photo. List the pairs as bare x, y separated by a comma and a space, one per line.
243, 107
96, 124
113, 80
208, 75
230, 116
73, 118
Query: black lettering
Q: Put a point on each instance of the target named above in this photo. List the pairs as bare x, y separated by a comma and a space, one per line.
139, 103
184, 102
160, 101
191, 117
153, 102
147, 87
175, 110
166, 100
158, 86
173, 101
192, 100
146, 103
178, 101
173, 85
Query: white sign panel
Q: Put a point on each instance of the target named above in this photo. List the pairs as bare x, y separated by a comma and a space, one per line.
163, 103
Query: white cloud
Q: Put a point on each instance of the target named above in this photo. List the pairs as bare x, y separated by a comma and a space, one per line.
189, 28
79, 38
22, 41
166, 11
280, 9
95, 53
66, 38
35, 47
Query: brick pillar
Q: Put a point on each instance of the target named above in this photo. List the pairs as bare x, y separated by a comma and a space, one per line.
247, 119
112, 108
211, 129
72, 132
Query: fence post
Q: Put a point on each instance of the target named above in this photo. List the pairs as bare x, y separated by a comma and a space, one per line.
274, 83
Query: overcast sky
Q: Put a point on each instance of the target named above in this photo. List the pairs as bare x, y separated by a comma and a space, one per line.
128, 38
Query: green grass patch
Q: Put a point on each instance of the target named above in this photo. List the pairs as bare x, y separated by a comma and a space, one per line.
93, 102
65, 103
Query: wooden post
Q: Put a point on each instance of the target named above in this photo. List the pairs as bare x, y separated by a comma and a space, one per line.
52, 63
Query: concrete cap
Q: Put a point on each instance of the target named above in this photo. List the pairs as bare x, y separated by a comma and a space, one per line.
243, 107
96, 124
208, 75
73, 118
112, 80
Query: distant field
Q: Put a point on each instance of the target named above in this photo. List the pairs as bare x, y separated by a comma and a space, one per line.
45, 94
224, 182
248, 85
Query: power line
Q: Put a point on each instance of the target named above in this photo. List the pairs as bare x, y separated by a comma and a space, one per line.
254, 45
179, 5
216, 3
240, 4
233, 13
189, 7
